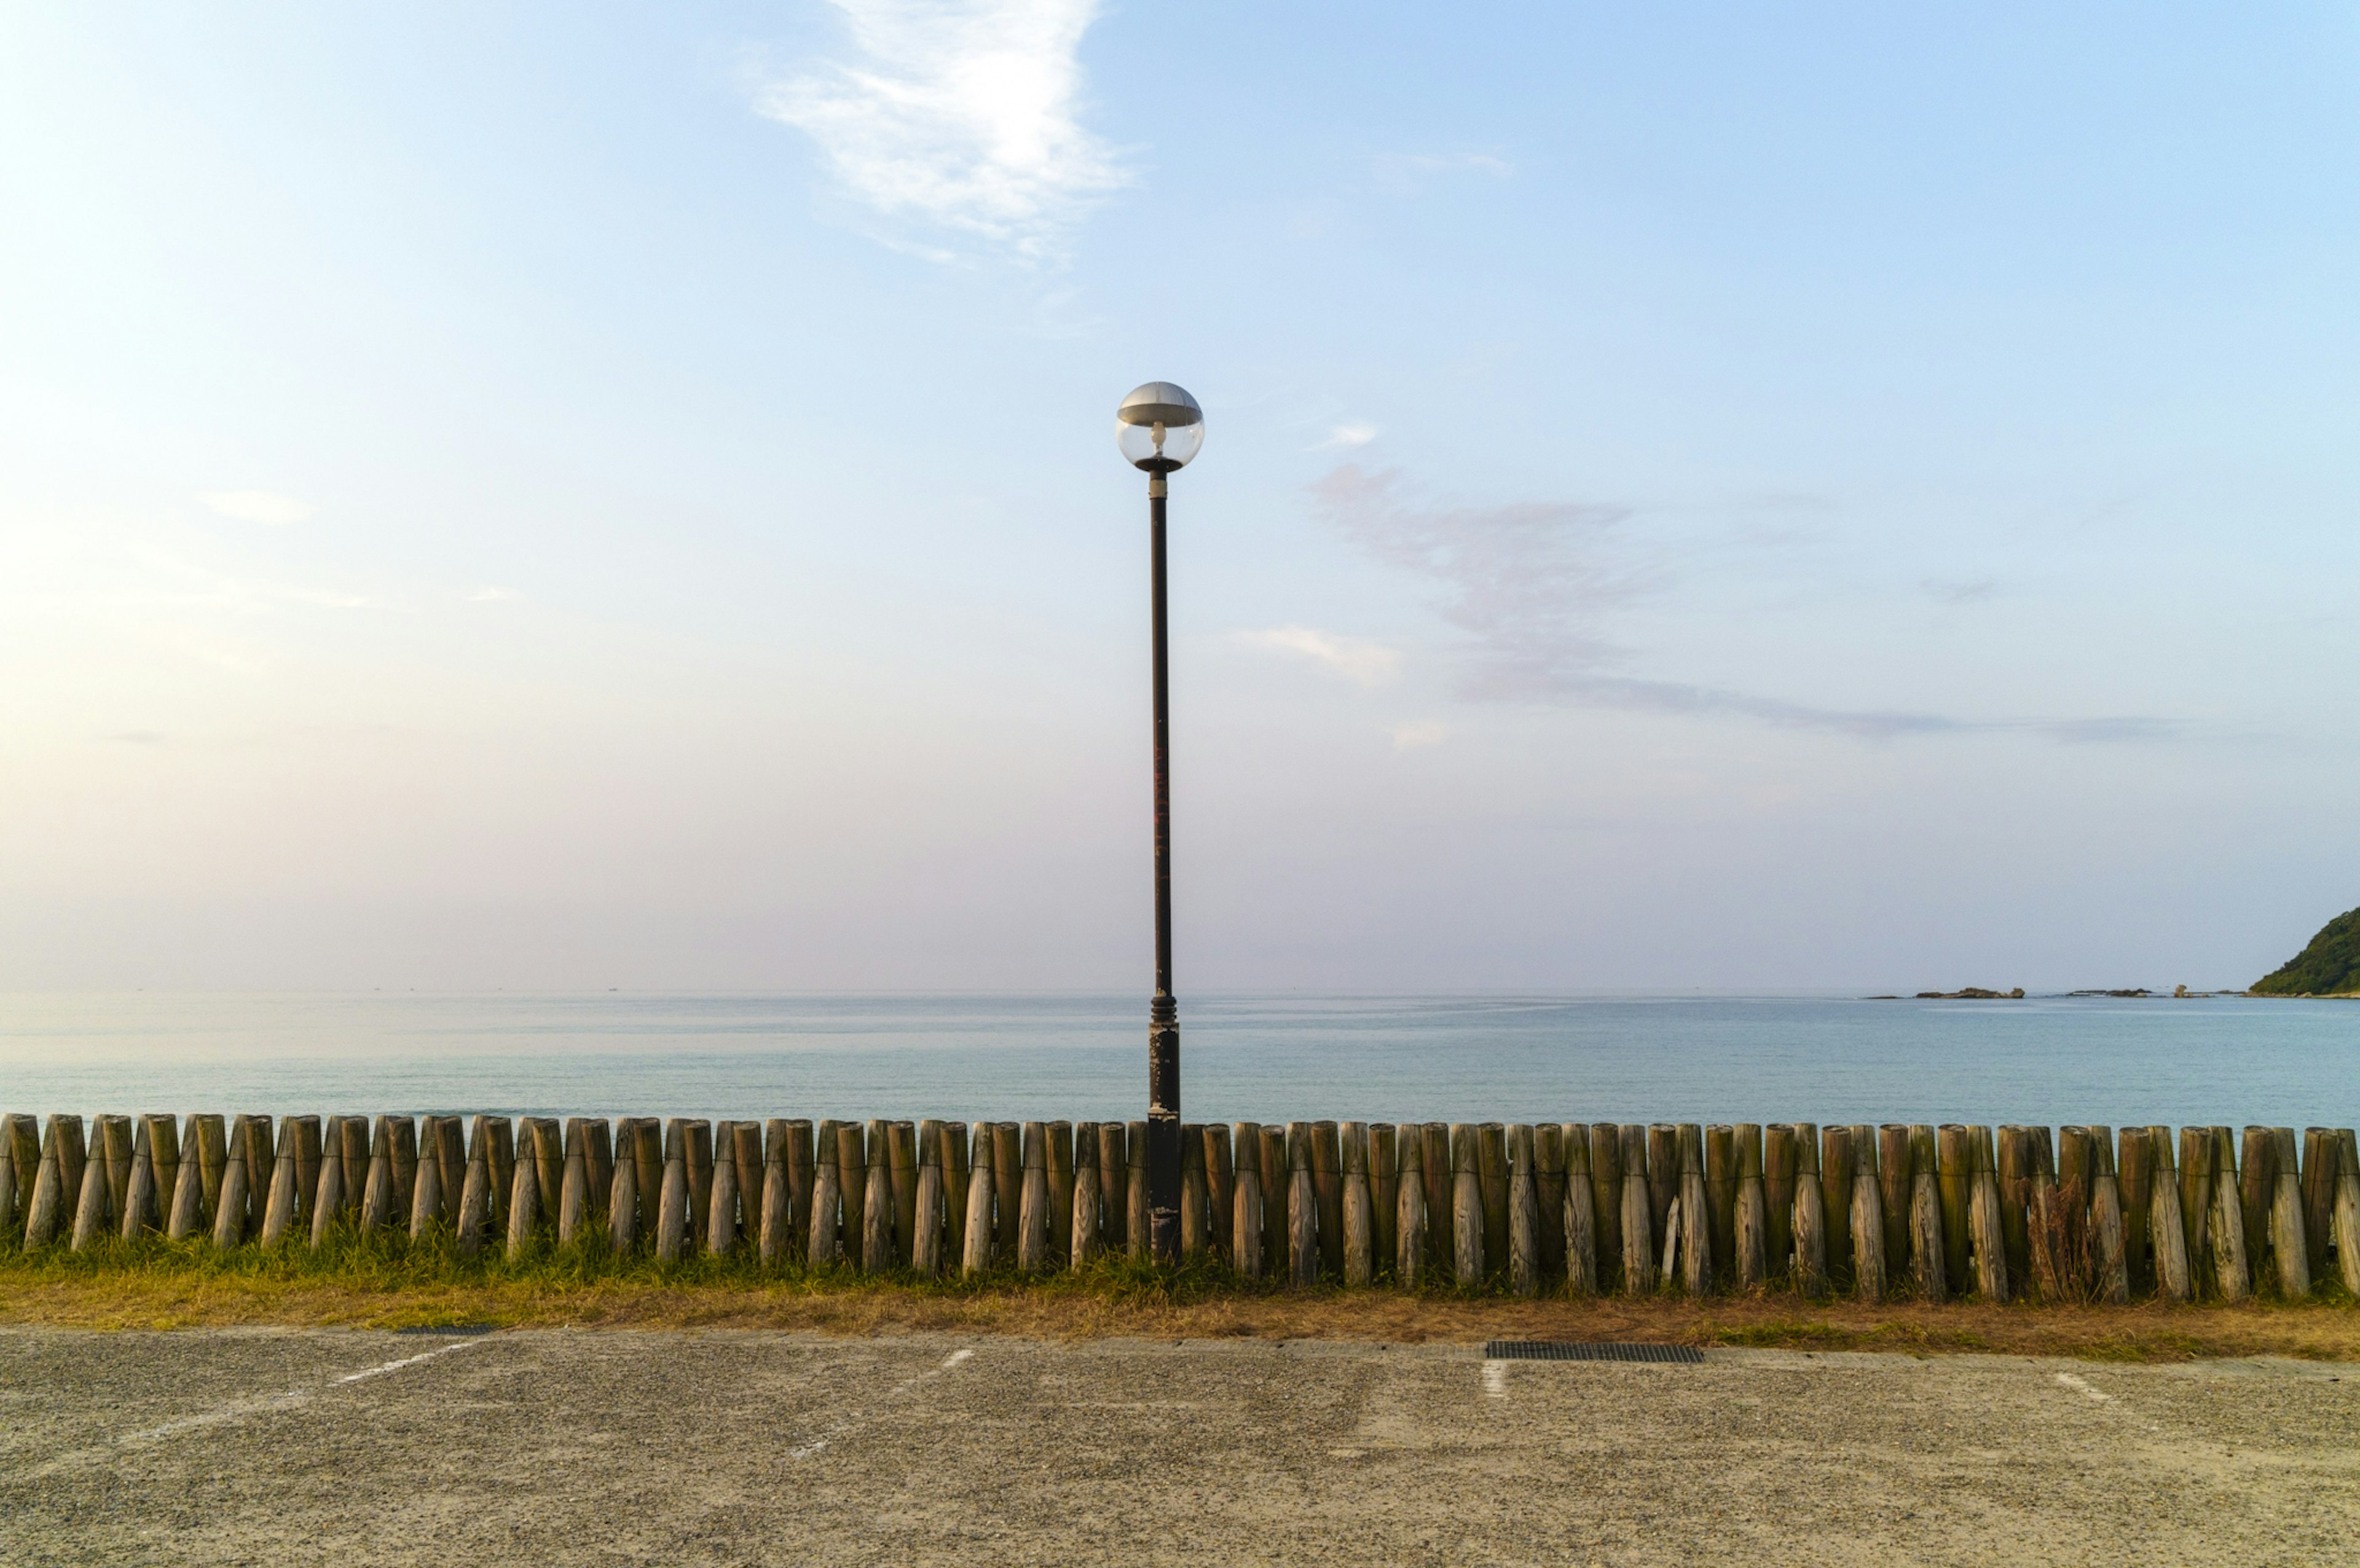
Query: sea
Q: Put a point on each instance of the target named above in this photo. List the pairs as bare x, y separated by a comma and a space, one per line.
2053, 1060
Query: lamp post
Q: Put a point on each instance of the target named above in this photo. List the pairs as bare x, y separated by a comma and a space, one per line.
1159, 428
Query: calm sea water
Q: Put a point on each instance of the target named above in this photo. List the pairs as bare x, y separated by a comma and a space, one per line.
1257, 1058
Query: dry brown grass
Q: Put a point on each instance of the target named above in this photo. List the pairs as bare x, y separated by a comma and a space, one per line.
2146, 1332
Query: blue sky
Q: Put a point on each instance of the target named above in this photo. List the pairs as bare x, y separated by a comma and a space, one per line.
1727, 498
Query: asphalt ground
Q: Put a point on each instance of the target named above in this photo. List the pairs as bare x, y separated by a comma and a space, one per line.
347, 1448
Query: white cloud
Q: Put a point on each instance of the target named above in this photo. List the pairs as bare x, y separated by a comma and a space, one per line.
1410, 736
258, 506
1369, 663
961, 113
494, 595
1348, 436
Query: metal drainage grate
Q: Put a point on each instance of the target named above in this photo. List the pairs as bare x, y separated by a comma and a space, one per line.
1590, 1350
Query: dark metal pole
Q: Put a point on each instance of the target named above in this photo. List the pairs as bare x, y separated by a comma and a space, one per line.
1163, 1015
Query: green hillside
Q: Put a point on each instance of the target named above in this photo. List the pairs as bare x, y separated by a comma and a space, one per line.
2330, 966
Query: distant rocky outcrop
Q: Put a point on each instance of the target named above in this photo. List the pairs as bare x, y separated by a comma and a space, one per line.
1973, 994
2330, 966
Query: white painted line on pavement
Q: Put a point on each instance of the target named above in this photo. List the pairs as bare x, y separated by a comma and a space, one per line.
2067, 1380
1495, 1380
861, 1417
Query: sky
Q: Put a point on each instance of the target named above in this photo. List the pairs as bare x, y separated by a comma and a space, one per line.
1695, 498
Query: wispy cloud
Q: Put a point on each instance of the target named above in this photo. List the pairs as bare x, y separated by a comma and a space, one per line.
1530, 585
961, 115
494, 595
1347, 435
1369, 663
258, 506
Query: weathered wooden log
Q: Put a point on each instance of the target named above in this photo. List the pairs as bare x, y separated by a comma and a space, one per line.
1835, 1202
17, 1173
279, 1212
1195, 1194
139, 1198
696, 1146
901, 1170
1548, 1193
1220, 1185
426, 1188
2165, 1234
1778, 1198
166, 1155
1492, 1167
774, 1237
1138, 1238
2134, 1174
1410, 1226
230, 1208
1749, 1224
2319, 1154
1302, 1208
1695, 1211
476, 1204
1638, 1218
1384, 1192
1247, 1225
926, 1214
1359, 1206
720, 1237
1954, 1159
573, 1183
1662, 1181
376, 1192
112, 1151
1466, 1267
1061, 1191
1524, 1212
356, 1164
646, 1152
541, 1147
1328, 1187
1082, 1245
982, 1193
746, 1149
90, 1204
524, 1198
1810, 1215
1987, 1235
186, 1216
2197, 1178
2288, 1250
2225, 1225
2258, 1180
1868, 1263
1275, 1186
1928, 1258
957, 1176
851, 1150
823, 1244
1893, 1192
452, 1153
328, 1198
1114, 1186
2050, 1226
623, 1203
675, 1213
2346, 1212
1721, 1203
877, 1199
2014, 1150
2112, 1283
1606, 1204
598, 1154
403, 1131
1434, 1169
1581, 1269
1032, 1199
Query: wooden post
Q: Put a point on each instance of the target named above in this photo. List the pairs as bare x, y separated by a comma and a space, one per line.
574, 1185
451, 1156
1548, 1191
1578, 1212
2165, 1232
877, 1252
1492, 1167
2107, 1254
982, 1192
1137, 1238
1114, 1185
957, 1176
1835, 1201
1276, 1204
1721, 1201
1810, 1214
746, 1151
2346, 1214
90, 1214
1327, 1188
824, 1247
376, 1192
1384, 1192
1987, 1234
17, 1176
1778, 1171
1032, 1199
1246, 1223
1302, 1208
2134, 1173
2231, 1274
851, 1150
476, 1205
2013, 1148
2257, 1185
675, 1206
1360, 1219
1954, 1157
1663, 1180
1467, 1205
1434, 1163
186, 1217
524, 1196
926, 1211
403, 1132
646, 1155
1927, 1256
774, 1241
2288, 1250
1750, 1223
1061, 1191
1410, 1226
113, 1153
2319, 1152
1195, 1194
720, 1237
1082, 1241
1638, 1221
230, 1209
623, 1197
902, 1170
23, 1132
598, 1151
2197, 1178
2046, 1225
357, 1164
1696, 1213
1606, 1204
1220, 1184
1868, 1261
278, 1208
328, 1198
139, 1198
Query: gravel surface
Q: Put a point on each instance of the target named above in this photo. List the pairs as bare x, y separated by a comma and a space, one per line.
349, 1448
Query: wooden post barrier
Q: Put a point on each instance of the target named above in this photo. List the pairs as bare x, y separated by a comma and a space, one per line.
2288, 1250
775, 1240
901, 1170
1272, 1168
1778, 1197
1467, 1205
404, 1149
1081, 1245
328, 1197
139, 1198
1434, 1169
92, 1202
720, 1237
1247, 1225
1384, 1195
1927, 1255
2231, 1272
2112, 1284
2015, 1158
9, 1205
956, 1177
646, 1153
623, 1193
169, 1159
478, 1199
1868, 1260
1987, 1233
2134, 1173
1032, 1199
357, 1155
746, 1152
1810, 1215
377, 1191
1581, 1272
828, 1195
1524, 1213
187, 1217
1954, 1158
1750, 1226
1327, 1188
2049, 1226
1638, 1218
1061, 1191
1835, 1203
1114, 1186
573, 1183
1549, 1194
851, 1153
279, 1207
1893, 1192
1696, 1213
2197, 1179
1302, 1208
115, 1145
524, 1198
696, 1149
1721, 1201
2166, 1235
2319, 1158
1220, 1185
875, 1199
1492, 1167
22, 1134
1195, 1194
982, 1190
676, 1218
2257, 1185
230, 1210
926, 1206
598, 1156
1360, 1219
1136, 1240
1410, 1224
1662, 1184
2346, 1214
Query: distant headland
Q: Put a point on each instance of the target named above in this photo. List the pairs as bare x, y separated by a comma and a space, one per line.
2330, 966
